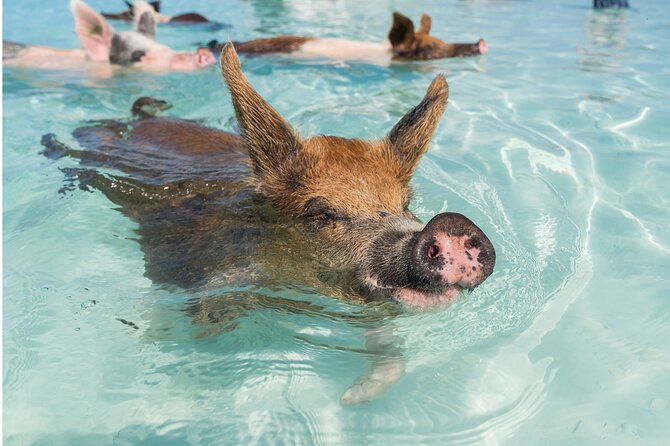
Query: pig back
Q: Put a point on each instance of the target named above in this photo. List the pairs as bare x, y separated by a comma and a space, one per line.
159, 151
187, 187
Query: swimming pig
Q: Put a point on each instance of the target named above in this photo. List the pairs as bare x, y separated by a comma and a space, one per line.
270, 206
404, 43
186, 19
102, 45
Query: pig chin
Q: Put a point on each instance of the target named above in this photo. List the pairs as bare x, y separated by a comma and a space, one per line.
416, 298
424, 299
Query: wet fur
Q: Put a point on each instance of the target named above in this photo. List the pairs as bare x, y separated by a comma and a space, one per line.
280, 44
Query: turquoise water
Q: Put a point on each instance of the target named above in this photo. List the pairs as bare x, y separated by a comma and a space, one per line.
555, 143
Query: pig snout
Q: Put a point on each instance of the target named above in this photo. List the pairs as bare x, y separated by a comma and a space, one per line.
482, 47
205, 57
451, 250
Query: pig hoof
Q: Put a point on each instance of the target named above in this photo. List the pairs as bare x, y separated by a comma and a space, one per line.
356, 394
375, 383
53, 149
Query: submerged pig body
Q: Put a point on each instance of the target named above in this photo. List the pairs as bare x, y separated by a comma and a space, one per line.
268, 205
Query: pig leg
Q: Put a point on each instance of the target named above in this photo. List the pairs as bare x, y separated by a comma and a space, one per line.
106, 149
54, 149
218, 314
126, 191
388, 366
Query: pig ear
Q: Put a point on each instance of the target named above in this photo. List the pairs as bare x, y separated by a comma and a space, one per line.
147, 25
410, 137
426, 23
402, 32
271, 141
94, 33
144, 18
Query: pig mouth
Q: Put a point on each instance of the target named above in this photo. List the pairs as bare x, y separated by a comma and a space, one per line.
426, 299
415, 298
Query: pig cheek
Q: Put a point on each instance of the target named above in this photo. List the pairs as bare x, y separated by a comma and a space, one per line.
338, 242
321, 234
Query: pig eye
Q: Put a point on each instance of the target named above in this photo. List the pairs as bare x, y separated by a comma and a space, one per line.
323, 214
317, 211
137, 56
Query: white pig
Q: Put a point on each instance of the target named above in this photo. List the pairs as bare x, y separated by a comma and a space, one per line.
104, 48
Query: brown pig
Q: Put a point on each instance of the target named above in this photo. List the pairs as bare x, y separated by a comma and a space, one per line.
103, 47
403, 43
270, 206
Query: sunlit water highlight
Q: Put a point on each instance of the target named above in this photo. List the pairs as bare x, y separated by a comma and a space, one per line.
556, 144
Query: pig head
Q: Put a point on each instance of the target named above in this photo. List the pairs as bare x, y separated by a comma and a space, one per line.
138, 47
409, 44
351, 198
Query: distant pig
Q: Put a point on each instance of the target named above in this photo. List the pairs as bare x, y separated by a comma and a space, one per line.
188, 18
403, 43
102, 45
269, 206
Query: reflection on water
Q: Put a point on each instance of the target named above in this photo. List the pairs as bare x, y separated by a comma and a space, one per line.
272, 16
607, 28
606, 33
600, 4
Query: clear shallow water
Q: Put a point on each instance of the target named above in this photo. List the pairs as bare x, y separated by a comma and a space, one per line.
556, 144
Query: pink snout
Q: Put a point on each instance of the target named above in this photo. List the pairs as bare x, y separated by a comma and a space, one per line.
458, 260
204, 57
451, 250
483, 48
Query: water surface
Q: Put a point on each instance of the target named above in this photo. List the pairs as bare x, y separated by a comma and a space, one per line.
555, 143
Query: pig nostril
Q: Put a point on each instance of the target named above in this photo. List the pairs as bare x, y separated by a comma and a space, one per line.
472, 242
433, 251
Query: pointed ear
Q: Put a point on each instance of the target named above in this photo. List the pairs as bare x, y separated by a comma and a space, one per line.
156, 6
147, 25
94, 33
410, 137
271, 141
426, 23
145, 22
402, 32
